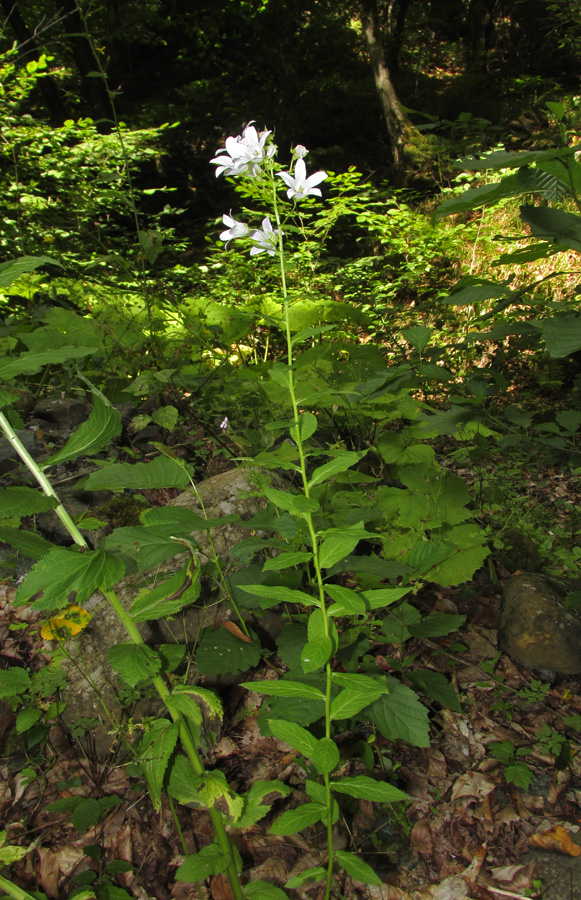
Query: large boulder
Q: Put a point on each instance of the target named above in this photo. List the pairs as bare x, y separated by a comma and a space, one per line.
538, 628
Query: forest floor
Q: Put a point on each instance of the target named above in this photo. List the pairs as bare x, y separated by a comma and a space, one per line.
479, 824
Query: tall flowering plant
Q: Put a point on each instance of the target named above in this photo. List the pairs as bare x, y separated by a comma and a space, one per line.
252, 156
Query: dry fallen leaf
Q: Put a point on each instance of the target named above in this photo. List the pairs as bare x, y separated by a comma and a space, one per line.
236, 631
421, 838
555, 839
472, 784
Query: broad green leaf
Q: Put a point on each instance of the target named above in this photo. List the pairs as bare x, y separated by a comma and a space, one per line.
220, 651
316, 653
348, 602
187, 706
326, 756
396, 449
383, 597
294, 735
562, 335
285, 457
349, 702
287, 560
28, 543
336, 548
360, 683
86, 814
214, 787
283, 688
488, 194
155, 750
279, 594
208, 698
183, 783
168, 598
507, 159
418, 336
258, 801
10, 854
31, 362
316, 873
294, 820
199, 866
63, 577
27, 718
468, 551
357, 868
438, 624
297, 504
97, 432
14, 268
24, 501
146, 546
400, 716
339, 463
13, 681
263, 890
166, 417
307, 425
161, 472
182, 519
437, 686
553, 225
134, 662
365, 788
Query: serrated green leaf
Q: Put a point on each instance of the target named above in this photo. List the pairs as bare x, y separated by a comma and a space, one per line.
326, 756
349, 702
297, 504
161, 472
258, 801
437, 686
316, 873
279, 594
183, 520
199, 866
263, 890
64, 576
294, 735
183, 783
13, 681
10, 854
146, 546
562, 335
220, 651
156, 748
208, 698
348, 602
362, 787
553, 225
336, 548
103, 424
28, 543
86, 814
357, 868
24, 501
134, 662
284, 688
316, 653
31, 362
294, 820
167, 599
383, 597
400, 716
339, 463
287, 560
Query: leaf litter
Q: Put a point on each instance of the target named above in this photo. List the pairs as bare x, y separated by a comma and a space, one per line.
464, 833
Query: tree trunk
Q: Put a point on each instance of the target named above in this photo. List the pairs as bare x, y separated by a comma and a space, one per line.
26, 40
398, 125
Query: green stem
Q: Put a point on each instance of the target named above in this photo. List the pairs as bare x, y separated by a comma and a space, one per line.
188, 744
43, 481
311, 527
13, 890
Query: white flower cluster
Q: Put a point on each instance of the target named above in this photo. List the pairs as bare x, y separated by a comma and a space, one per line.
244, 155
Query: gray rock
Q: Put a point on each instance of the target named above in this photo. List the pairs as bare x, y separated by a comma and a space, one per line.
93, 688
536, 628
